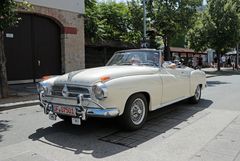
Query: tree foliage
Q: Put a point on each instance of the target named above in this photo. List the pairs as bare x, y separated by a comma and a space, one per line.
124, 22
8, 14
218, 27
169, 17
113, 21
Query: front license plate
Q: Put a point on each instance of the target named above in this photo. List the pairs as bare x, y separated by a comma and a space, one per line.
76, 121
66, 110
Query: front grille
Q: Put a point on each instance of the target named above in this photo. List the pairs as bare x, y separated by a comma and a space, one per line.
73, 91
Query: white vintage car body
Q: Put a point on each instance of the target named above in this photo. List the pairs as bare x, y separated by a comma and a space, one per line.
160, 86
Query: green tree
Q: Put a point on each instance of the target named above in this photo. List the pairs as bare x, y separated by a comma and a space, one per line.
179, 40
217, 28
8, 18
135, 28
108, 21
94, 26
170, 17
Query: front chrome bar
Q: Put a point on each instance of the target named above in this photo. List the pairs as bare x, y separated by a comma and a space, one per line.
48, 100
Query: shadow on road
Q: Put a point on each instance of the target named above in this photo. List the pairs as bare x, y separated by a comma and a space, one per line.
4, 126
215, 83
228, 72
102, 138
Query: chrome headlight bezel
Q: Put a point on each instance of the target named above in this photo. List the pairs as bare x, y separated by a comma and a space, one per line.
100, 91
44, 88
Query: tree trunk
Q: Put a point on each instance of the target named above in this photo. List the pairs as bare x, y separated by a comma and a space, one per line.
166, 48
3, 70
218, 60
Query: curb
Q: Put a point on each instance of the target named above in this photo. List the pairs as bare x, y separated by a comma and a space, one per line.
9, 106
209, 76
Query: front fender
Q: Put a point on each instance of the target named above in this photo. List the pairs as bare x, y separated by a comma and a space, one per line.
120, 89
197, 77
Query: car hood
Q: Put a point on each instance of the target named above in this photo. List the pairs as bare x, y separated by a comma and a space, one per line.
90, 76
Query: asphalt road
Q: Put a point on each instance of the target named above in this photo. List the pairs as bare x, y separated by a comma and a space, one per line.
177, 132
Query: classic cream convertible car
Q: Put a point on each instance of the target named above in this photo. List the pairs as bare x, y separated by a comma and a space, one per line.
131, 84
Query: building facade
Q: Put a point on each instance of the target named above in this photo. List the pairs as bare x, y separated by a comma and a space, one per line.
49, 40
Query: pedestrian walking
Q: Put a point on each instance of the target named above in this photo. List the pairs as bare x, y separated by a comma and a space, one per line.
223, 59
233, 63
194, 62
200, 62
229, 62
215, 61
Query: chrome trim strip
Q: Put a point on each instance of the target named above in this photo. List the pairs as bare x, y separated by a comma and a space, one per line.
73, 101
60, 100
71, 85
106, 113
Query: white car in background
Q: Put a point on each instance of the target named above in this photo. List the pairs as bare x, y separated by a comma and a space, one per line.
131, 84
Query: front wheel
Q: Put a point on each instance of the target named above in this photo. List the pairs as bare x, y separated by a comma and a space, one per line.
135, 112
197, 95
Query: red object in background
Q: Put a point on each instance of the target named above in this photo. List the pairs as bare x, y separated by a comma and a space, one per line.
70, 30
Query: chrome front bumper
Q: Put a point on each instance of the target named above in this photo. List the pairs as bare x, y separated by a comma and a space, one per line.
47, 102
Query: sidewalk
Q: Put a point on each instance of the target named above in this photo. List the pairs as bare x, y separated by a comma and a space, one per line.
212, 72
225, 146
19, 96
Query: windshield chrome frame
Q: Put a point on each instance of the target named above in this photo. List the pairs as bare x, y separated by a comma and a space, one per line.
119, 52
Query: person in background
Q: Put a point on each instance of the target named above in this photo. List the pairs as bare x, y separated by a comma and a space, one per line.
212, 64
167, 64
135, 60
233, 63
200, 62
223, 59
229, 62
215, 61
194, 62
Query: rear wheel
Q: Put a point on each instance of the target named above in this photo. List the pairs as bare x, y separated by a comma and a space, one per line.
135, 112
197, 95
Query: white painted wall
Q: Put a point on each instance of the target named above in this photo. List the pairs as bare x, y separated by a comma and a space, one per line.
68, 5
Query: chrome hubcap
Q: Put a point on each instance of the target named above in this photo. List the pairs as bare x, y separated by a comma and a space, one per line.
198, 92
137, 111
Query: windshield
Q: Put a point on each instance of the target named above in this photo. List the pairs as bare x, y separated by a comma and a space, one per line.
148, 58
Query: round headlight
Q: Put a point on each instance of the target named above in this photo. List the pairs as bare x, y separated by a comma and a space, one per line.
43, 87
100, 91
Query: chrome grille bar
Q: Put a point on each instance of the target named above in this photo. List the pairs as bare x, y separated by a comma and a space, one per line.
73, 91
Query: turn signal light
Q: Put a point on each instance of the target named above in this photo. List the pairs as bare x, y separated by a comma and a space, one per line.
46, 77
104, 78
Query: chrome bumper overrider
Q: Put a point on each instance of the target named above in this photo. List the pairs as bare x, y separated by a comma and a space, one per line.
47, 102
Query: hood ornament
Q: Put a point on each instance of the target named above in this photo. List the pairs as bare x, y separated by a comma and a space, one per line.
65, 91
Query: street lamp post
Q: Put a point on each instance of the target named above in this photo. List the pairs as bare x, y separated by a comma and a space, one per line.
144, 25
237, 56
